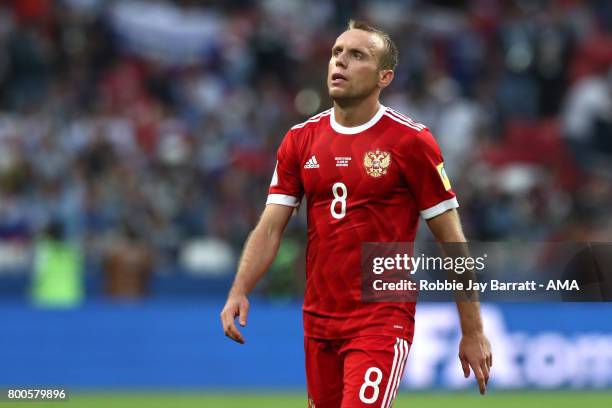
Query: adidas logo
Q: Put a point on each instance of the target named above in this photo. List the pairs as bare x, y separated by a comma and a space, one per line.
312, 163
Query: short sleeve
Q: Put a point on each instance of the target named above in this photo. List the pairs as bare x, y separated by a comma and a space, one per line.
286, 185
427, 177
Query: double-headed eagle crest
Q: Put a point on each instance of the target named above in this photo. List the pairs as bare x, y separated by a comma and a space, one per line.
376, 163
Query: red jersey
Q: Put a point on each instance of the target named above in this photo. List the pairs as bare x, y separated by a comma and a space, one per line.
368, 183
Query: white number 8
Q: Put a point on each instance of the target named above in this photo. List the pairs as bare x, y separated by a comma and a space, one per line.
369, 383
339, 198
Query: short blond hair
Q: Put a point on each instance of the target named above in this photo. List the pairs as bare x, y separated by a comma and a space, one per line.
390, 55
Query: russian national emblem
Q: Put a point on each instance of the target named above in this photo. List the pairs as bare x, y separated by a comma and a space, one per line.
376, 163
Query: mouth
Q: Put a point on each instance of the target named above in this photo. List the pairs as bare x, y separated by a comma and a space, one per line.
338, 78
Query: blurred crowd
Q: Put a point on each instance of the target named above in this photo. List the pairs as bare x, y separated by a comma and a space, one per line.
156, 123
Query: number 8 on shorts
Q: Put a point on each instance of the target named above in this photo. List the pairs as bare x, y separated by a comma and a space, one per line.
370, 382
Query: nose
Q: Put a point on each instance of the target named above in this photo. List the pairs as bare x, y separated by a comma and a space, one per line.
341, 60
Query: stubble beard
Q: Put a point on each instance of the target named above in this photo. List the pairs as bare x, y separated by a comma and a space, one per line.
346, 99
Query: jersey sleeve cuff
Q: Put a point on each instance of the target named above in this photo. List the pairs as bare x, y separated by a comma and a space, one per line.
440, 208
282, 199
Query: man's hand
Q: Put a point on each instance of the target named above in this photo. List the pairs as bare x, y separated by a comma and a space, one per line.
475, 352
236, 305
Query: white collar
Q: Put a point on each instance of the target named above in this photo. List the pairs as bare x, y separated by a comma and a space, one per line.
356, 129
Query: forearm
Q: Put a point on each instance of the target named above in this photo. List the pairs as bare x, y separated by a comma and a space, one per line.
447, 230
468, 305
469, 316
258, 254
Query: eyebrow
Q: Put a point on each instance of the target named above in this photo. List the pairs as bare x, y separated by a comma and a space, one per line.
363, 50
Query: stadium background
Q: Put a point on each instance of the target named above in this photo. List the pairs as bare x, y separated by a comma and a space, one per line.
137, 140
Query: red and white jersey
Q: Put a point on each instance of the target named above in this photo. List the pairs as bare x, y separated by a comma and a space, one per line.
368, 183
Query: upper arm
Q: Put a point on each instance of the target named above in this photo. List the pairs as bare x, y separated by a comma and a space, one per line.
285, 192
424, 172
446, 227
286, 185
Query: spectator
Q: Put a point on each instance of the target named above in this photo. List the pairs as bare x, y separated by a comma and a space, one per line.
58, 270
176, 130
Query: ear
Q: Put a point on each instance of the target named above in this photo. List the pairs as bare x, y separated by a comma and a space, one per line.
385, 78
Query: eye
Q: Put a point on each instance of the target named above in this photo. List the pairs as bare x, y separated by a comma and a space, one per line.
357, 55
336, 51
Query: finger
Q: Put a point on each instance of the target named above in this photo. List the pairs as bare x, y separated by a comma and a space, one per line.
233, 333
226, 320
480, 377
485, 370
244, 312
465, 366
229, 328
490, 360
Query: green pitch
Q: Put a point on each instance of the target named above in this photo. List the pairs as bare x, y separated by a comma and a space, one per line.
522, 399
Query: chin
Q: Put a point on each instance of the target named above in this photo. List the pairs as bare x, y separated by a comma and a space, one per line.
338, 94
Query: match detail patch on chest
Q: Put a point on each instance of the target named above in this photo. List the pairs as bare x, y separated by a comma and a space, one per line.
343, 161
376, 163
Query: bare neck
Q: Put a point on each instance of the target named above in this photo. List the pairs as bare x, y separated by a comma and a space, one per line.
351, 115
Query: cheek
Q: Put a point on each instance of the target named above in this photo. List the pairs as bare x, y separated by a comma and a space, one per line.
369, 76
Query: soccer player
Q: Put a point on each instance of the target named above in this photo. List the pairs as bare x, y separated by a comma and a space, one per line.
368, 174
